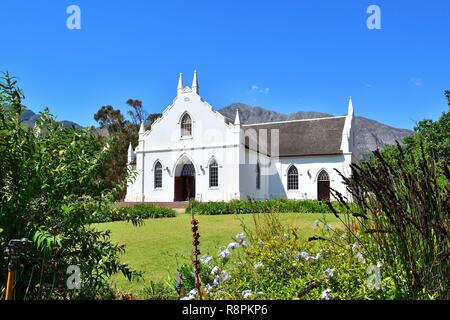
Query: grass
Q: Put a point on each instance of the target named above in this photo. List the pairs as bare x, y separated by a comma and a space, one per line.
160, 245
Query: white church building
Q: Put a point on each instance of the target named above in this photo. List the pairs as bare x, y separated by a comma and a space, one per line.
193, 151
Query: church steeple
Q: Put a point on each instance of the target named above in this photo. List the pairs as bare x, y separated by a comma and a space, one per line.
350, 106
195, 86
180, 84
237, 119
142, 129
130, 153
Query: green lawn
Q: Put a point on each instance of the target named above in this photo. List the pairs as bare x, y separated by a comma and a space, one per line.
157, 247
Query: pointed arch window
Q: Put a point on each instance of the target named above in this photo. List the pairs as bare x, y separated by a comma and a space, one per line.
186, 126
323, 176
188, 170
213, 174
158, 175
258, 176
292, 178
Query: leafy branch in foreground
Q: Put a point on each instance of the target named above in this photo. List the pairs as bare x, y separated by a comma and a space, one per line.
51, 190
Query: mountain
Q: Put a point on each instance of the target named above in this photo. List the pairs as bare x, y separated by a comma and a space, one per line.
369, 134
30, 118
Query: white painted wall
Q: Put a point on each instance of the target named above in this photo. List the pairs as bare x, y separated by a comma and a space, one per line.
308, 170
248, 175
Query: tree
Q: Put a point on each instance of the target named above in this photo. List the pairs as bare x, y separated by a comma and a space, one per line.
152, 117
431, 136
137, 112
122, 132
51, 191
110, 118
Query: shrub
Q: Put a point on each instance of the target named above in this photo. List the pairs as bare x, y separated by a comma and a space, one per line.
135, 213
275, 262
263, 206
160, 291
403, 219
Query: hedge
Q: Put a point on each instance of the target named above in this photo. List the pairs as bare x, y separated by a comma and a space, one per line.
138, 212
263, 206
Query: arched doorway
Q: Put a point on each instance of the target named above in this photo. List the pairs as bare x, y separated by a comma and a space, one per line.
323, 186
184, 181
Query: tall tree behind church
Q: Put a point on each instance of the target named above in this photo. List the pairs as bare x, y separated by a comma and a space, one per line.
123, 132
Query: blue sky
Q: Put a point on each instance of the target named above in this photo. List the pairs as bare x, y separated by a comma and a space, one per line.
283, 55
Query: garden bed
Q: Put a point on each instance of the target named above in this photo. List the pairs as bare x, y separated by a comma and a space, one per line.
264, 206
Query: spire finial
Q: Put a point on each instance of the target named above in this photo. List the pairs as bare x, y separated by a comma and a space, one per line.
350, 105
180, 83
142, 128
195, 86
130, 153
237, 119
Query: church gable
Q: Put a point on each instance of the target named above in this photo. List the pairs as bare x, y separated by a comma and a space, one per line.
187, 121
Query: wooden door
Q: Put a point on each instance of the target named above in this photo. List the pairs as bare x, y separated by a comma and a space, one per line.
190, 187
179, 189
323, 190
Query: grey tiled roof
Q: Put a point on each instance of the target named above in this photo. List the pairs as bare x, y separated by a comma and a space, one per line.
301, 138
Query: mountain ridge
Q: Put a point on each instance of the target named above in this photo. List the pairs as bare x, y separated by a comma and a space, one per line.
29, 118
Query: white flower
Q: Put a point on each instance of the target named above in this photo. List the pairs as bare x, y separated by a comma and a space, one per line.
233, 245
208, 288
328, 226
216, 281
224, 275
303, 255
379, 265
191, 295
215, 270
329, 273
225, 254
316, 223
246, 294
193, 292
355, 247
240, 237
206, 259
307, 257
360, 257
261, 243
326, 295
258, 266
286, 236
245, 244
